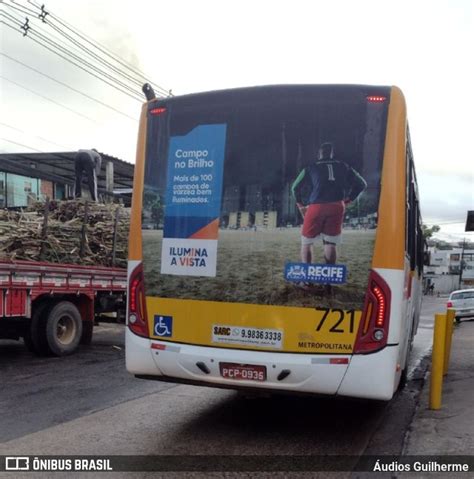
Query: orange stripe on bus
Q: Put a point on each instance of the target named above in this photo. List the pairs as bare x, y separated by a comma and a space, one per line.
389, 250
135, 236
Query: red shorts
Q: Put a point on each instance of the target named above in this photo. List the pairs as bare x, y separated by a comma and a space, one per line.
323, 218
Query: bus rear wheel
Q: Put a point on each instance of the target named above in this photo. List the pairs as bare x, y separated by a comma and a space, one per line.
63, 328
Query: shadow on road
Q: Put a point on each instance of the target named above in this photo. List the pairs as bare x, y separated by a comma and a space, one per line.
286, 424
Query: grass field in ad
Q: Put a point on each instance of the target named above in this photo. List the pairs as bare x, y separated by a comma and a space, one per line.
250, 269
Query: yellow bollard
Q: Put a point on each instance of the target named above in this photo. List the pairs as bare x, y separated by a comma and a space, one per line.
449, 336
437, 361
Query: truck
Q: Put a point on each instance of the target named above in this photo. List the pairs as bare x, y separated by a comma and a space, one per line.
53, 307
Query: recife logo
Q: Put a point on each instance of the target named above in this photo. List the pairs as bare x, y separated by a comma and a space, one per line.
296, 272
316, 273
163, 326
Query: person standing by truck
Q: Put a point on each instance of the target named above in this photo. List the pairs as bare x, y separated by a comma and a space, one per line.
333, 185
87, 162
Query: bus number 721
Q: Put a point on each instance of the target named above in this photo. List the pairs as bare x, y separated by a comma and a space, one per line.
342, 315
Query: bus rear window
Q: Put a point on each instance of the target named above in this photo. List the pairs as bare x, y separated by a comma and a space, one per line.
265, 196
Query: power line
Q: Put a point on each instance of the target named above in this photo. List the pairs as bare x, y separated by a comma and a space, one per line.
31, 31
85, 62
68, 86
142, 77
120, 86
134, 97
76, 59
12, 18
138, 77
452, 223
34, 136
76, 64
21, 144
20, 8
51, 35
95, 56
48, 99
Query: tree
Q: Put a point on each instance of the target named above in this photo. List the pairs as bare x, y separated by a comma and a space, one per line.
428, 231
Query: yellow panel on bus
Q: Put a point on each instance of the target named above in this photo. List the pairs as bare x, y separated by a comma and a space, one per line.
251, 326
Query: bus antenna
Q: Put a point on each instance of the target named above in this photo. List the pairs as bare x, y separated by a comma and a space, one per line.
147, 89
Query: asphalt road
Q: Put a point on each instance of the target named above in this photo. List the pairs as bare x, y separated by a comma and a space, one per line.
88, 404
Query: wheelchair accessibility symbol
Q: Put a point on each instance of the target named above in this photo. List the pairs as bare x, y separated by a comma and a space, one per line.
163, 326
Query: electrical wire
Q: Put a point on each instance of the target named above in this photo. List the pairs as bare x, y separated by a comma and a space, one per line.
20, 8
446, 223
21, 144
84, 62
34, 136
120, 86
141, 76
132, 91
137, 98
69, 87
55, 37
95, 56
48, 99
134, 97
19, 23
39, 37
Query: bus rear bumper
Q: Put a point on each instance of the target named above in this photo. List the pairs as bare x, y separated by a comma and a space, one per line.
138, 355
318, 374
372, 376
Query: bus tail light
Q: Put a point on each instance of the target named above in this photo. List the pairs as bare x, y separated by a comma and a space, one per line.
137, 315
157, 111
373, 329
376, 98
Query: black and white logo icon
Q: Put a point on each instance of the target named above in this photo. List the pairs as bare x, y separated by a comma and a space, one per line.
17, 463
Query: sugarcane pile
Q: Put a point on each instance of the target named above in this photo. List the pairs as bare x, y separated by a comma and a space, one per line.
73, 231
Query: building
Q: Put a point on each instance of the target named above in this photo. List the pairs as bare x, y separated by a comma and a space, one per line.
444, 270
28, 177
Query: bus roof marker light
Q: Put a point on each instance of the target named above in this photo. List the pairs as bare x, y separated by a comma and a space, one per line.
157, 111
376, 99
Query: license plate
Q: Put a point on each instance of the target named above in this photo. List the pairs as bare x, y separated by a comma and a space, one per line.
245, 372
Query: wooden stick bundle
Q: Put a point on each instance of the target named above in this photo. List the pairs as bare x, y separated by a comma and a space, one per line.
66, 232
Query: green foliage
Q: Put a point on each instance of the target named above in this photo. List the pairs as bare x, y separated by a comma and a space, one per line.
429, 231
366, 204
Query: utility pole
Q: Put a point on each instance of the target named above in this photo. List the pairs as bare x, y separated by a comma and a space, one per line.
461, 264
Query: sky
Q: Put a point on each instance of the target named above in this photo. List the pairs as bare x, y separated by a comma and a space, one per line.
425, 47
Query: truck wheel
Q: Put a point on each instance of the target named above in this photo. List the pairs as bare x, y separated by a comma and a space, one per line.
63, 328
35, 338
87, 331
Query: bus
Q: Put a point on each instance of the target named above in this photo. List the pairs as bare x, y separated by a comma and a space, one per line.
275, 241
